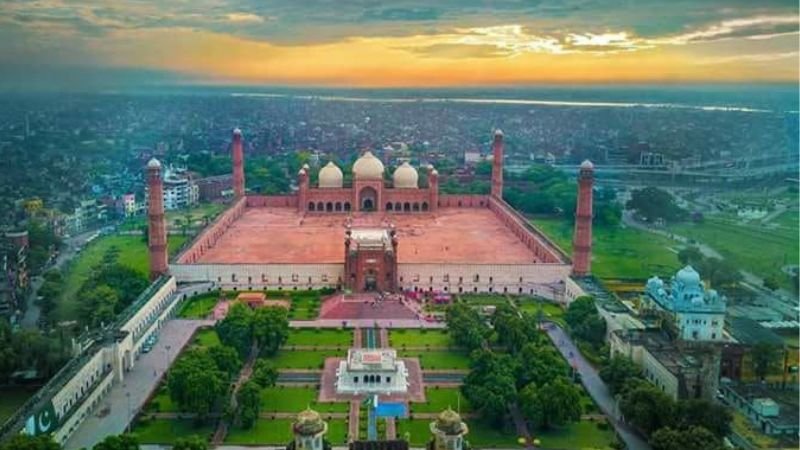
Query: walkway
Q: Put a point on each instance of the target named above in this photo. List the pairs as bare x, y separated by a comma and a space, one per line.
366, 323
126, 398
595, 386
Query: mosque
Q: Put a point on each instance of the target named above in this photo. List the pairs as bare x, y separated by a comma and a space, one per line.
378, 233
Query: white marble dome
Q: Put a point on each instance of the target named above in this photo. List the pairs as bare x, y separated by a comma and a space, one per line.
368, 167
154, 164
331, 176
688, 276
405, 177
586, 164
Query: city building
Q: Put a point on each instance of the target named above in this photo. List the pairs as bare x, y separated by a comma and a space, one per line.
450, 243
129, 207
14, 271
216, 188
180, 189
699, 314
376, 371
774, 410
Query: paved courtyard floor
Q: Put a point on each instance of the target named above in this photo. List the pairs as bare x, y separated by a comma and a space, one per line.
127, 397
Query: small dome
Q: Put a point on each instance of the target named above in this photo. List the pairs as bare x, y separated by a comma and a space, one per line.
306, 166
368, 167
586, 164
237, 131
331, 176
449, 422
688, 276
405, 177
498, 133
154, 164
309, 422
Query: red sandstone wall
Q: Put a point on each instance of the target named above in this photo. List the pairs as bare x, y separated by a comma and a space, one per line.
463, 201
274, 201
213, 232
534, 239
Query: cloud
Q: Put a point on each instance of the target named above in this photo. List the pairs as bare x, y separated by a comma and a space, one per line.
240, 17
760, 27
401, 14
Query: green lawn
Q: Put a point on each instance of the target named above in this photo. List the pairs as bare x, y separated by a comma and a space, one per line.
316, 336
11, 400
583, 435
161, 402
167, 431
439, 360
419, 338
619, 252
265, 431
551, 311
305, 305
302, 359
199, 306
417, 431
296, 399
132, 253
439, 399
777, 246
206, 337
197, 216
484, 299
337, 432
482, 435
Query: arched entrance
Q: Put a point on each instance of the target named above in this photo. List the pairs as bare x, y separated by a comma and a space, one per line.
367, 199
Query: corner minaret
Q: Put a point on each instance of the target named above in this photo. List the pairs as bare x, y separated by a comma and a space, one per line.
157, 227
497, 164
433, 187
582, 239
238, 164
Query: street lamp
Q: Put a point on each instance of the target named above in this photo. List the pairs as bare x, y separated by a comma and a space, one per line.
128, 421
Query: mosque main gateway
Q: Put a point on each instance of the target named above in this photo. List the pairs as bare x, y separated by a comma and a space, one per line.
381, 235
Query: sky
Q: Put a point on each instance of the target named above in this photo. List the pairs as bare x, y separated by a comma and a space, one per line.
407, 43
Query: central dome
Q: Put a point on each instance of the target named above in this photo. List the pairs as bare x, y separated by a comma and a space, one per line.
688, 276
405, 177
309, 422
331, 176
368, 167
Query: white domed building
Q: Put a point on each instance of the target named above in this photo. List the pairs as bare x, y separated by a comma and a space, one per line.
369, 189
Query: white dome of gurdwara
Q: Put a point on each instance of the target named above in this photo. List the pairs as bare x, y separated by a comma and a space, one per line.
331, 176
405, 177
368, 167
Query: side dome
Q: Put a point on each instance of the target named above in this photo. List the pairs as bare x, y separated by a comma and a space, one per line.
368, 167
688, 276
405, 177
449, 422
309, 422
331, 176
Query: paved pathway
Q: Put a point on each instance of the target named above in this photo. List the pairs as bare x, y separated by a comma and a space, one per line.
127, 397
366, 323
595, 386
355, 405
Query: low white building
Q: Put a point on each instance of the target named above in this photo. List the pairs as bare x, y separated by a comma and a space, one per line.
377, 371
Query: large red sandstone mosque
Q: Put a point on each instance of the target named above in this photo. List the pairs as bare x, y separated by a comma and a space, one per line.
376, 235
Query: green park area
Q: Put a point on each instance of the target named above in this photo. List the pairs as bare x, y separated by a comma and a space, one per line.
199, 306
618, 252
196, 216
303, 359
438, 399
483, 299
762, 249
279, 432
550, 311
439, 360
131, 252
319, 337
419, 338
293, 399
167, 431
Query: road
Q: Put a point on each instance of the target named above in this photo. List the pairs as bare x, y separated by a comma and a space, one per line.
71, 247
124, 399
596, 388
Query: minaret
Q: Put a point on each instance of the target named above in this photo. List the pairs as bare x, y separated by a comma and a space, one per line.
448, 431
433, 187
497, 164
157, 227
302, 189
238, 164
582, 239
309, 431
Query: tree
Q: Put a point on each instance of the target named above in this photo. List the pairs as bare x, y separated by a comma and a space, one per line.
771, 283
618, 371
693, 438
236, 329
710, 416
270, 329
26, 442
652, 203
99, 305
265, 373
690, 256
490, 386
466, 326
579, 310
121, 442
719, 272
226, 359
584, 321
556, 403
647, 408
248, 400
765, 359
512, 330
539, 364
196, 384
193, 442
